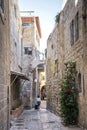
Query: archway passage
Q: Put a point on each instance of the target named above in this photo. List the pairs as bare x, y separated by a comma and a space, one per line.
43, 93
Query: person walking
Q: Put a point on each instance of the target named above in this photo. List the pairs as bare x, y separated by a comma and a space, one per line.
38, 102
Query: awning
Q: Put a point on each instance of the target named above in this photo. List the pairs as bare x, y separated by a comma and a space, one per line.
19, 75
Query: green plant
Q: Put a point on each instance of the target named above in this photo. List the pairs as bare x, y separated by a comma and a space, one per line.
57, 18
16, 105
68, 96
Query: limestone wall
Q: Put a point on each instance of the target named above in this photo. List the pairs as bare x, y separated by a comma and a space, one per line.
4, 66
54, 66
31, 41
15, 36
76, 52
73, 16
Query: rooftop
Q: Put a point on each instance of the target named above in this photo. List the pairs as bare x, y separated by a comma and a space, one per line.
31, 19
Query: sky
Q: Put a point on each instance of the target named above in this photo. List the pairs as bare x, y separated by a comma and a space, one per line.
46, 10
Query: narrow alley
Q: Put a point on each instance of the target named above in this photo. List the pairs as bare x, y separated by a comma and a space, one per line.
40, 119
43, 63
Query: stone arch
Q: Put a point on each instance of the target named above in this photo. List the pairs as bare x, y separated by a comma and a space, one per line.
43, 92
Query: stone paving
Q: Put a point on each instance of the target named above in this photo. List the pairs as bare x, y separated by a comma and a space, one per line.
40, 119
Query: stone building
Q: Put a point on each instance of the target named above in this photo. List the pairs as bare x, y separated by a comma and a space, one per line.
4, 65
15, 40
16, 55
75, 34
73, 45
15, 36
31, 32
54, 65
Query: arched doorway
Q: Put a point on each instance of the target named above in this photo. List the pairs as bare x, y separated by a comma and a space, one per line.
43, 93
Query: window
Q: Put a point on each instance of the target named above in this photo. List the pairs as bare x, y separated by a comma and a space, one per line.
52, 46
72, 32
84, 15
77, 26
2, 5
74, 29
27, 51
25, 24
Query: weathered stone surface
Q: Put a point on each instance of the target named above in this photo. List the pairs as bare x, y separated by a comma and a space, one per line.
66, 51
39, 120
4, 65
54, 66
31, 42
15, 36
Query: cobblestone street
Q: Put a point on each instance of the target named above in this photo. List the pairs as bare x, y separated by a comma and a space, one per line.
39, 120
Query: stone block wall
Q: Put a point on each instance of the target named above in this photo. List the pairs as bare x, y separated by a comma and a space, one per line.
15, 36
54, 66
76, 52
4, 66
31, 42
73, 15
